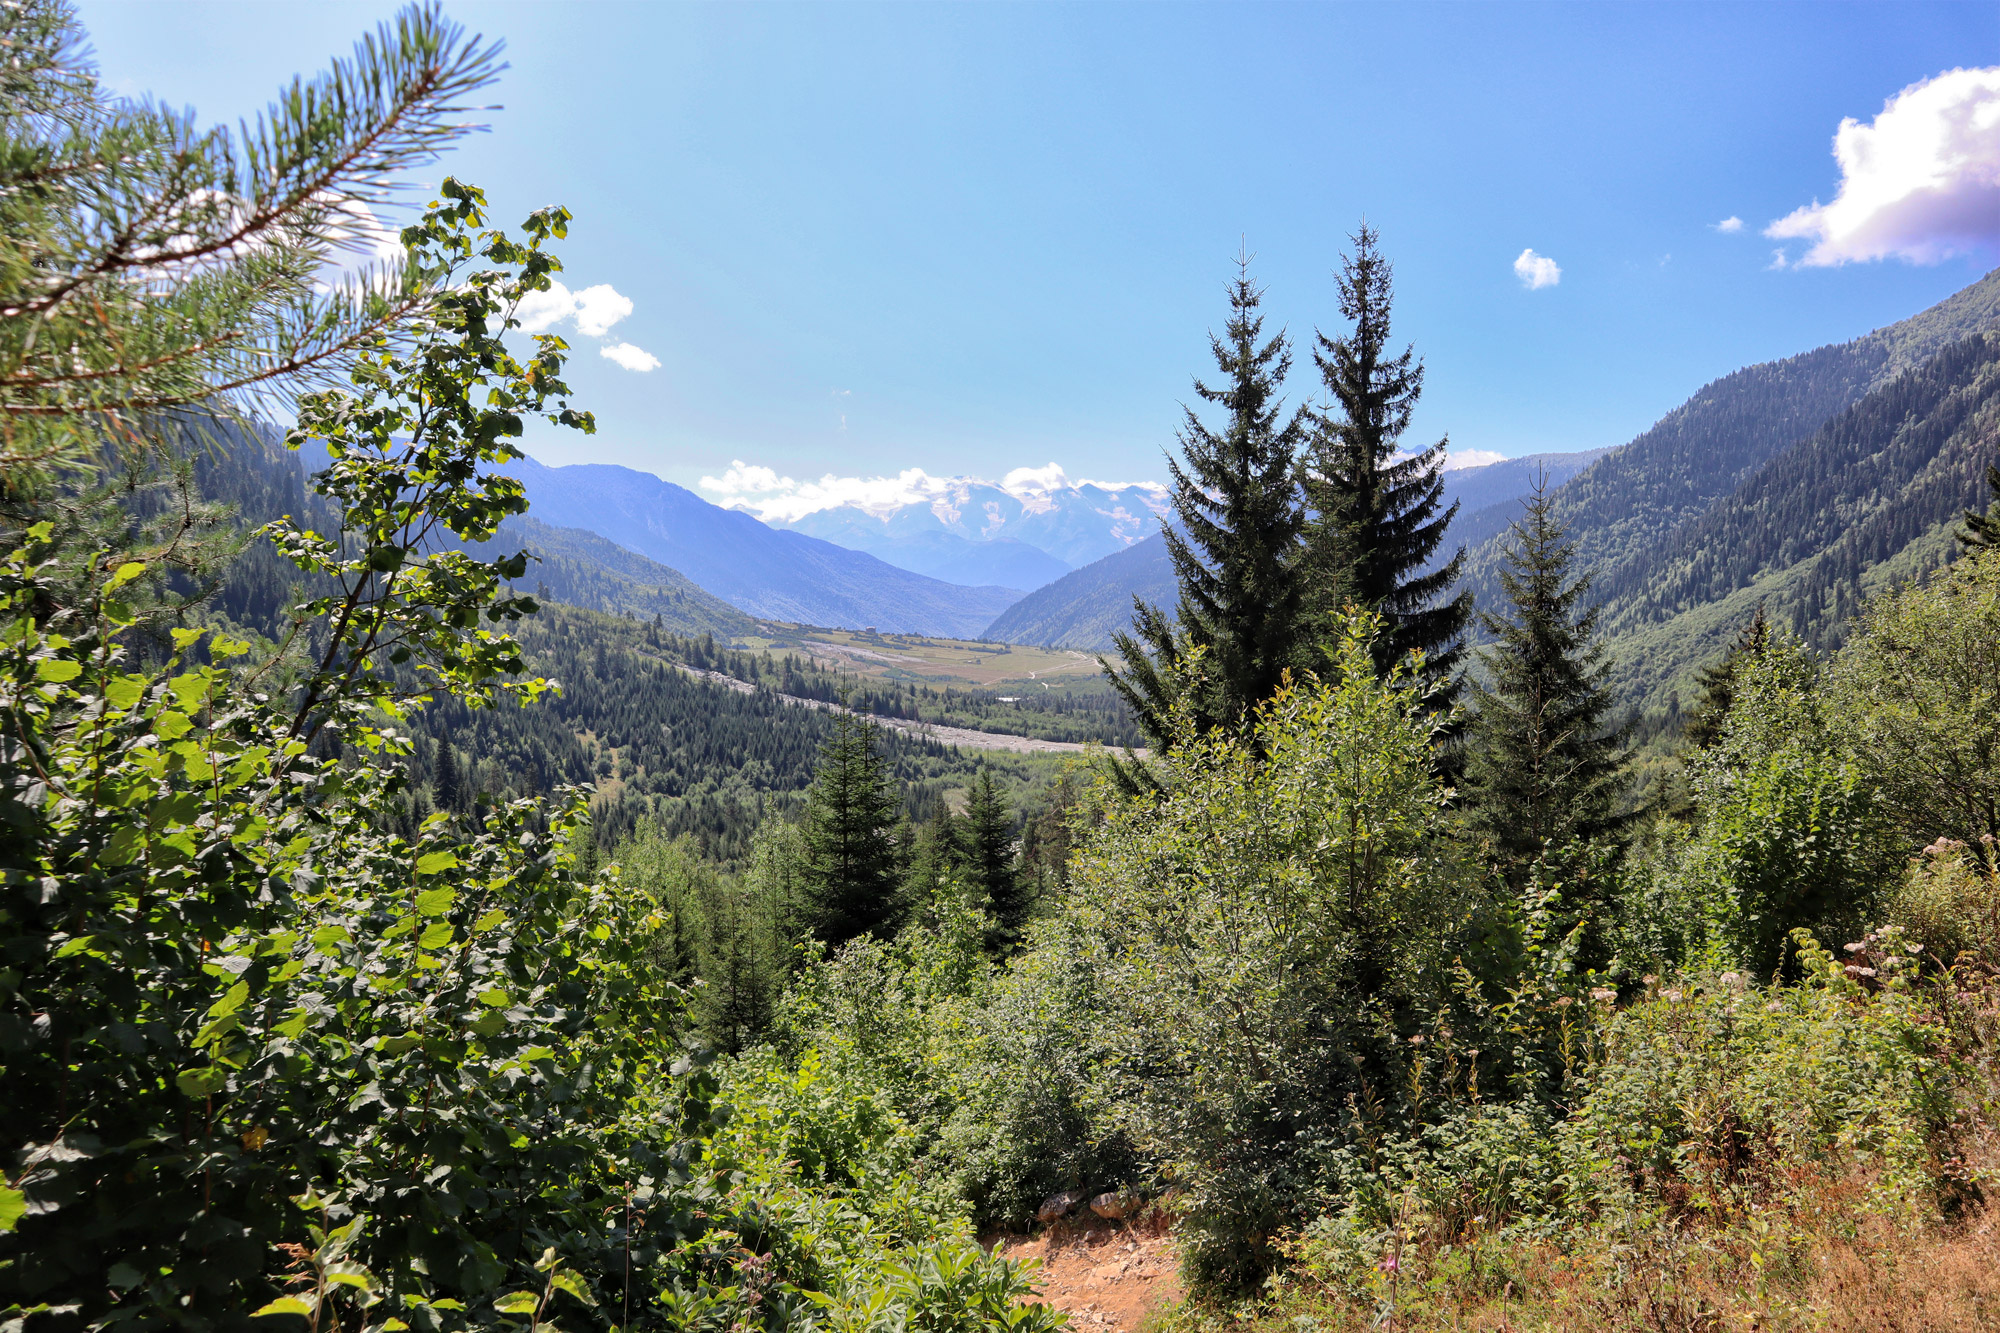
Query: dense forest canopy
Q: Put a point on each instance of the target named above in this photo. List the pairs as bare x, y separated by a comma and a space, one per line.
397, 937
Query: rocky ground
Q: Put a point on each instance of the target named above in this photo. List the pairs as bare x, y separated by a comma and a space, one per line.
1108, 1276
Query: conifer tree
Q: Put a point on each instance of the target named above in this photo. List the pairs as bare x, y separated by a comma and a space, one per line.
936, 854
1234, 543
849, 876
1982, 529
1718, 682
989, 858
447, 789
1375, 519
1545, 768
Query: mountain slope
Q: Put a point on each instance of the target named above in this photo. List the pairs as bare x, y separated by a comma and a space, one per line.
582, 569
1869, 498
1489, 497
1705, 449
770, 573
1001, 562
1084, 608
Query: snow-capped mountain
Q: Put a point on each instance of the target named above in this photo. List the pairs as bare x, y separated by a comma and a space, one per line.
1030, 527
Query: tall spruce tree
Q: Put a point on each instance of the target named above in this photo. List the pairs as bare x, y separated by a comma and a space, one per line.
1234, 545
1545, 768
1374, 519
1982, 529
989, 862
849, 876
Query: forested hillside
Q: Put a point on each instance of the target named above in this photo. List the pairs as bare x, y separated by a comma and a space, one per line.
1869, 498
1649, 511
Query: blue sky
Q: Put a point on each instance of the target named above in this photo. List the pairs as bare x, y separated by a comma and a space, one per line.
969, 238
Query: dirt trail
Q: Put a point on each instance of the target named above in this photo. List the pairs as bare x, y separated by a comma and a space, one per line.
1108, 1278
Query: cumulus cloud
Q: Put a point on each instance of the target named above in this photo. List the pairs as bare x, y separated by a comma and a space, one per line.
630, 357
591, 312
1920, 182
781, 499
1536, 271
1730, 225
1463, 458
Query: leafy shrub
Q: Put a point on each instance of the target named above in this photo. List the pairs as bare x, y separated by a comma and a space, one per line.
1789, 835
1265, 937
1031, 1086
1949, 902
1713, 1083
1920, 685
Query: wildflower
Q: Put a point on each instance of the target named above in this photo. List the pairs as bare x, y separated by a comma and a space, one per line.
1564, 1002
1673, 996
1417, 1040
1603, 996
1732, 978
1854, 948
1389, 1264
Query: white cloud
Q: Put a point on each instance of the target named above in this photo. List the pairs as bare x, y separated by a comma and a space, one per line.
1730, 225
1464, 458
598, 308
1921, 182
1036, 480
592, 311
359, 231
781, 499
1536, 271
630, 357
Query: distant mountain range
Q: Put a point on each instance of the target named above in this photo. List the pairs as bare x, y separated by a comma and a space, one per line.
756, 568
1022, 532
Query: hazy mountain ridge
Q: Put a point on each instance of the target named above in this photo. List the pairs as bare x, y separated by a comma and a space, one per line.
970, 527
764, 571
1084, 608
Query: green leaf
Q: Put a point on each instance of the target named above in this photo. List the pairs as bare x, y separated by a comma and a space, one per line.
435, 902
436, 935
285, 1305
126, 572
433, 862
121, 692
518, 1302
13, 1207
198, 1083
58, 669
568, 1281
489, 920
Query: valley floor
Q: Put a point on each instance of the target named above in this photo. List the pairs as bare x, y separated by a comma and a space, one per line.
963, 737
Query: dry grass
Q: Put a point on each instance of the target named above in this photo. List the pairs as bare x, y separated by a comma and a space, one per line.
1828, 1263
1776, 1250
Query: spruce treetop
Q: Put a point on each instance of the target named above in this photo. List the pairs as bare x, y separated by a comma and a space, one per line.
1377, 517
